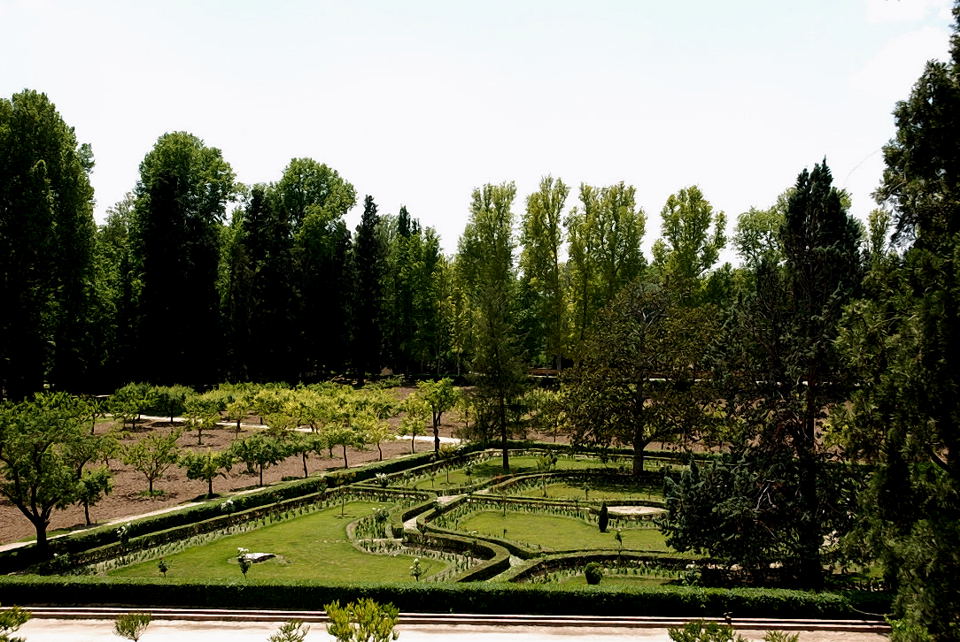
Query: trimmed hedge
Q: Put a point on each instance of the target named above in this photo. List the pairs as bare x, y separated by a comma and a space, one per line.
471, 597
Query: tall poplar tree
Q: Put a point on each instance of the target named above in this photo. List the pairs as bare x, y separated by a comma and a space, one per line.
180, 201
485, 261
542, 241
46, 249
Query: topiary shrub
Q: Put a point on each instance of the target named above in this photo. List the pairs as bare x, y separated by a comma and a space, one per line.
603, 519
593, 572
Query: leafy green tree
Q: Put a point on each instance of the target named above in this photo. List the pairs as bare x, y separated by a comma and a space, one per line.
175, 236
153, 455
901, 339
132, 399
206, 466
362, 621
46, 249
440, 396
638, 363
200, 414
314, 199
258, 451
303, 445
604, 235
414, 419
541, 262
486, 263
170, 401
37, 472
374, 430
757, 236
132, 625
93, 486
688, 248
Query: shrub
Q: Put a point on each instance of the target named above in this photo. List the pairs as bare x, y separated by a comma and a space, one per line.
131, 625
10, 620
603, 519
700, 631
292, 631
593, 572
362, 621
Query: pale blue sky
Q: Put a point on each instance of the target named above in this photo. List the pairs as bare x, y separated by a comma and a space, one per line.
419, 102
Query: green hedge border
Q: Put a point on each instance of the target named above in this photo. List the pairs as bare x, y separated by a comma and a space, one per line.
472, 597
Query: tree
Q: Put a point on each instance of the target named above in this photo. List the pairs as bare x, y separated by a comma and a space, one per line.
777, 366
414, 419
486, 263
362, 621
688, 249
604, 235
639, 361
170, 401
153, 455
440, 396
46, 249
374, 430
542, 241
757, 237
258, 451
132, 625
37, 473
369, 258
303, 444
201, 414
206, 466
93, 486
175, 235
314, 198
901, 339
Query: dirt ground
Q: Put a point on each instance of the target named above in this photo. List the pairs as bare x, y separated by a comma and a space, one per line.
129, 485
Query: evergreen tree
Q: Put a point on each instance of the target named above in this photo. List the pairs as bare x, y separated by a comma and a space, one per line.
369, 257
902, 340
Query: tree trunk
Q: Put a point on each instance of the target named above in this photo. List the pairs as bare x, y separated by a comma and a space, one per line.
380, 450
86, 513
639, 446
42, 547
345, 464
304, 456
210, 487
261, 474
150, 487
436, 437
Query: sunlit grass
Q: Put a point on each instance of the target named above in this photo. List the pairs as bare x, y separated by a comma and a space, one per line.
314, 546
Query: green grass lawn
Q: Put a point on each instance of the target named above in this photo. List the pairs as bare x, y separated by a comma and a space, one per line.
616, 581
559, 533
608, 491
314, 546
491, 468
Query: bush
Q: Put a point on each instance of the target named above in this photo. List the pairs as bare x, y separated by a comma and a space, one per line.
593, 572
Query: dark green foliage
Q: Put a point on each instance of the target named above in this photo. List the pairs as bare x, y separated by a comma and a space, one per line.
903, 339
39, 471
369, 266
603, 518
175, 242
419, 596
593, 573
46, 250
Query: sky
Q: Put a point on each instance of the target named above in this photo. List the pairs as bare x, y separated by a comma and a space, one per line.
419, 102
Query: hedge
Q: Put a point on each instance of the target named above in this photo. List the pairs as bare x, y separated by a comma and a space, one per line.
472, 597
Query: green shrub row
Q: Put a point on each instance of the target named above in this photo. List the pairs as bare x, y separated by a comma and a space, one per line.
578, 559
473, 597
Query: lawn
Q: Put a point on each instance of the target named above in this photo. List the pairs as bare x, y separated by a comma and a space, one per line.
490, 468
559, 533
314, 546
598, 490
